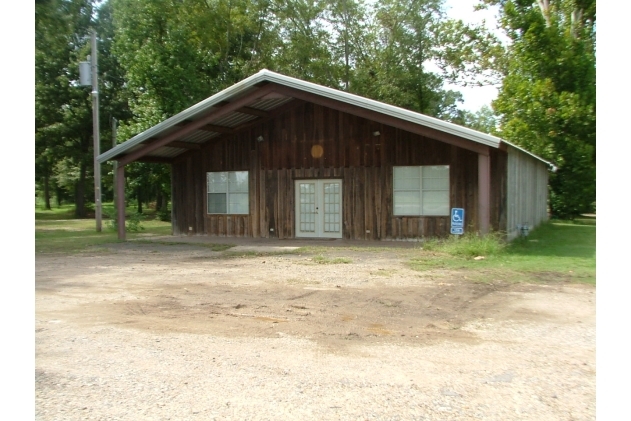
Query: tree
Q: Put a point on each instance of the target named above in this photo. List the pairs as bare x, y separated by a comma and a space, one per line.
411, 49
547, 102
175, 54
62, 111
484, 120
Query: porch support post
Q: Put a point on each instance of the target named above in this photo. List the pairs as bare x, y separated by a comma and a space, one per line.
172, 201
484, 192
120, 201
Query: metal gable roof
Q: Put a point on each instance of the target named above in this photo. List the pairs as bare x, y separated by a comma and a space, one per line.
250, 84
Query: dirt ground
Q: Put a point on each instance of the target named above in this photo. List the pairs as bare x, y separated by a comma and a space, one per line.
158, 331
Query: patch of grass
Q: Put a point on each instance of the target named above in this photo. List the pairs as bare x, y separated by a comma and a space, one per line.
56, 213
66, 212
560, 251
77, 235
468, 245
584, 221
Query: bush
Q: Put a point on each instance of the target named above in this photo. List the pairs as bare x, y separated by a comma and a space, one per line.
164, 215
468, 245
133, 223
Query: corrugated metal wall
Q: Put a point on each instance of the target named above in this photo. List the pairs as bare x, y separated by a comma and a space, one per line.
527, 192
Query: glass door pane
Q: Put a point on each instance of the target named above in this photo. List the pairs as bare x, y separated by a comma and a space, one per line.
307, 207
331, 207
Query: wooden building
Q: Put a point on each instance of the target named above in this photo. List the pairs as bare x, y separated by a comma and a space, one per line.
277, 157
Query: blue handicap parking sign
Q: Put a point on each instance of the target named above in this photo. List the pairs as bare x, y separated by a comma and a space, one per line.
457, 221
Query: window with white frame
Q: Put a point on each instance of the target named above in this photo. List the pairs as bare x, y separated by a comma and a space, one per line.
228, 192
421, 190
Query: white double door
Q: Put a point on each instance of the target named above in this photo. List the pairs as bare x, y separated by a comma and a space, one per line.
319, 208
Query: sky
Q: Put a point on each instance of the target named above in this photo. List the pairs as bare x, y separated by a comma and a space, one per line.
474, 97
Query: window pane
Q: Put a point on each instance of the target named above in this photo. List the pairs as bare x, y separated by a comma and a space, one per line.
217, 188
406, 172
402, 209
217, 182
407, 184
407, 197
436, 196
239, 181
435, 184
407, 203
217, 177
216, 203
238, 203
421, 190
436, 203
436, 171
435, 208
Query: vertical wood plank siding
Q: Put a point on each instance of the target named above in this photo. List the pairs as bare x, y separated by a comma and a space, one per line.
527, 192
350, 152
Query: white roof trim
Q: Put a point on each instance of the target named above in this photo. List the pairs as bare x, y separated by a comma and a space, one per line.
224, 95
383, 108
269, 76
552, 167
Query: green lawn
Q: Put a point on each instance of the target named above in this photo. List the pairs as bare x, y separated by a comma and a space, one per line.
555, 251
56, 230
67, 212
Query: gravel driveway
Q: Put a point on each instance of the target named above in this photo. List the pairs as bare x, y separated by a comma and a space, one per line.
178, 332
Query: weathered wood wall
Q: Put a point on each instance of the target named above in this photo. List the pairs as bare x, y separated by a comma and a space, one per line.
351, 152
527, 192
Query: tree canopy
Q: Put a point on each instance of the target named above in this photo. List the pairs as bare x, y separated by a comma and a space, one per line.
158, 57
547, 101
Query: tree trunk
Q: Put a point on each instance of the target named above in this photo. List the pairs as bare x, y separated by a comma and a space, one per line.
47, 191
80, 193
165, 203
139, 199
159, 201
58, 195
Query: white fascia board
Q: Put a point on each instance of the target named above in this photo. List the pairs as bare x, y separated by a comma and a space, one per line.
552, 167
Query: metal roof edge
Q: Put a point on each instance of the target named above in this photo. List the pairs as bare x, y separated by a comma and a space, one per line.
383, 108
270, 76
552, 167
183, 115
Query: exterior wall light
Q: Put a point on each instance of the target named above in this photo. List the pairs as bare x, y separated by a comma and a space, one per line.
376, 133
260, 139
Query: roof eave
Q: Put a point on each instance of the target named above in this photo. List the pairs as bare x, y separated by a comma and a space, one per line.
550, 165
381, 107
226, 94
269, 76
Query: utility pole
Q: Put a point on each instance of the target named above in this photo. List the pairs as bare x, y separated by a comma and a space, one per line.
95, 130
88, 75
114, 163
